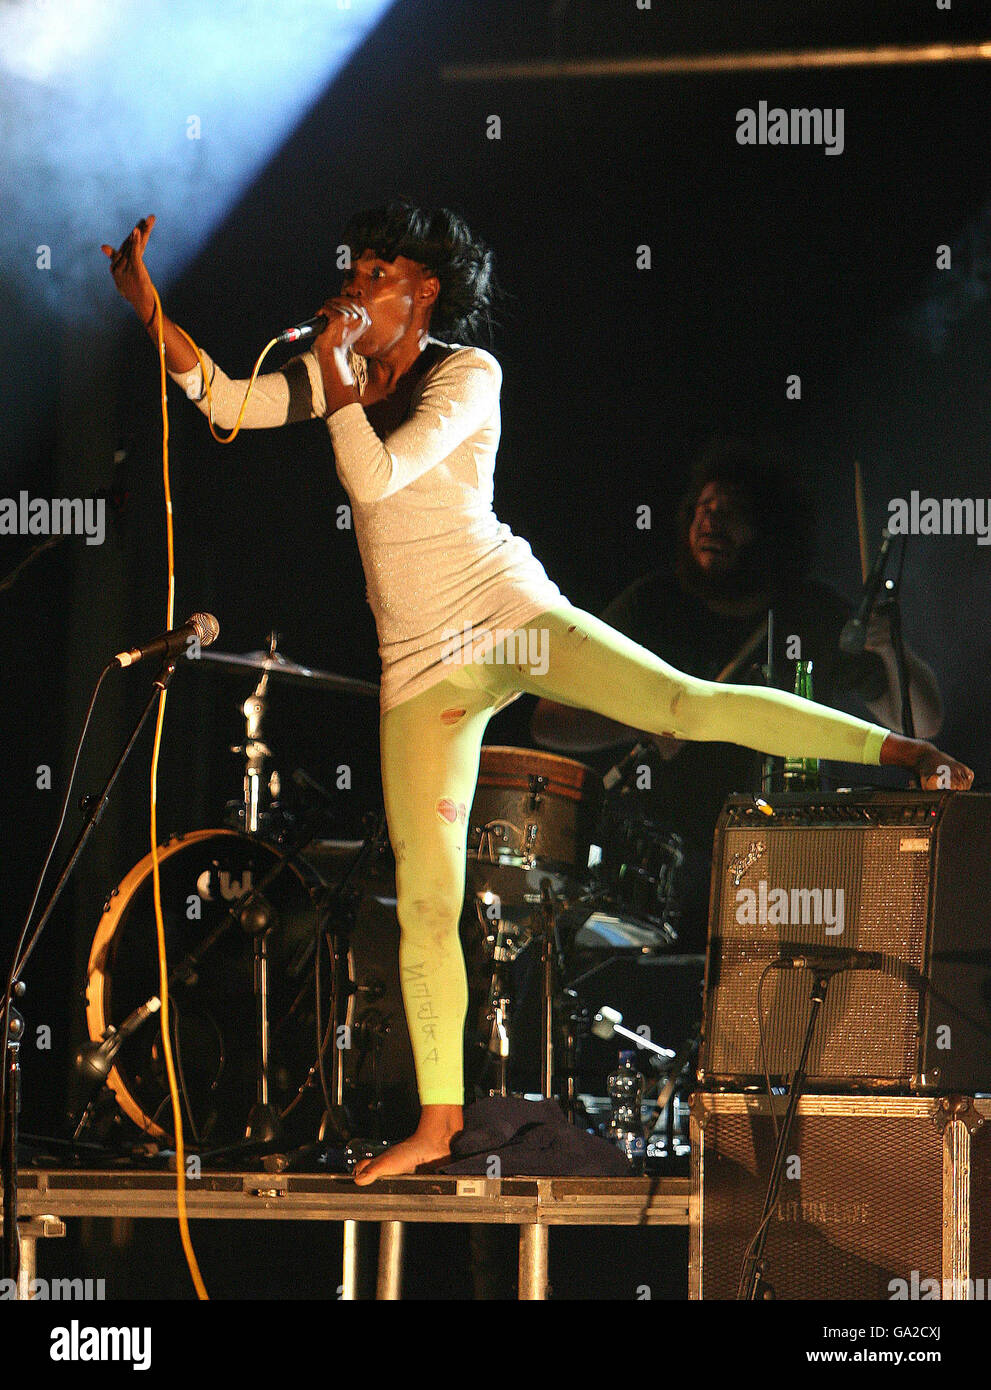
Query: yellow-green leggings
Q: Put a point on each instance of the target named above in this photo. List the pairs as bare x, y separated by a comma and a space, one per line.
430, 758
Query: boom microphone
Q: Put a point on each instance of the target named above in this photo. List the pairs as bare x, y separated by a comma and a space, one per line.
854, 634
829, 960
201, 627
95, 1059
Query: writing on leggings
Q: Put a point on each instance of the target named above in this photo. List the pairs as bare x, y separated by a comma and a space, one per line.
426, 1016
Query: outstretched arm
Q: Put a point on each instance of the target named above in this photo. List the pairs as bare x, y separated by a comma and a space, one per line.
295, 392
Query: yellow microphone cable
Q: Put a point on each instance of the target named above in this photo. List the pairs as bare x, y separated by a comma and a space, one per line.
163, 990
222, 439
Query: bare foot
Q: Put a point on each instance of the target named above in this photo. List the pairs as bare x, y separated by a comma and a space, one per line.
936, 771
430, 1142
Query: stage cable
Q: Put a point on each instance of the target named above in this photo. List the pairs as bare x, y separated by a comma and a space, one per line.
163, 969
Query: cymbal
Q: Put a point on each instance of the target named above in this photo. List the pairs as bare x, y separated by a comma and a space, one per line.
279, 666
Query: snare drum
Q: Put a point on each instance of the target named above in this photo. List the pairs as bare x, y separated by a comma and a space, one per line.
533, 818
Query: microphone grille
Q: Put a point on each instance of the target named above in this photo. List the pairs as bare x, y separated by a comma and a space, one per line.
207, 628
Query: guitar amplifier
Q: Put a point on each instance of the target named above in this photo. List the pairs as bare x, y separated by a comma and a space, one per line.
902, 880
882, 1197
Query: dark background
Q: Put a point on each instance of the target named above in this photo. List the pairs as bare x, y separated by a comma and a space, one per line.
764, 262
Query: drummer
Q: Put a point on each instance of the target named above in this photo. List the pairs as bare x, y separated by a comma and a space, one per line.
743, 545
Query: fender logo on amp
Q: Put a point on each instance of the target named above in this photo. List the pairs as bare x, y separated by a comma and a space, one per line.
740, 863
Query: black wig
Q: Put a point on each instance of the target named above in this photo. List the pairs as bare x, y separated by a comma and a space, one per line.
443, 243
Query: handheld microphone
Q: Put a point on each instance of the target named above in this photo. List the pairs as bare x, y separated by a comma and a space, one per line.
312, 327
203, 627
854, 634
309, 329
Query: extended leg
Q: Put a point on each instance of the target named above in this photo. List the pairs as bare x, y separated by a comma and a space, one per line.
572, 657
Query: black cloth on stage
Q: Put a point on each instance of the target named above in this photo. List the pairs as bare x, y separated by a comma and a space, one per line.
531, 1139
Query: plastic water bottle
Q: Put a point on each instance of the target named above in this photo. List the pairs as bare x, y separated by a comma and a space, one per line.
625, 1128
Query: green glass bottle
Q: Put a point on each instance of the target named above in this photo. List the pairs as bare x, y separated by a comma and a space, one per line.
802, 774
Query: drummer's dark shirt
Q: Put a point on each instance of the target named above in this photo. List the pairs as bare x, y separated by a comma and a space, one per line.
688, 791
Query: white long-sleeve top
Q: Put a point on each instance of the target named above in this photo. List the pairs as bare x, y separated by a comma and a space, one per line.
438, 562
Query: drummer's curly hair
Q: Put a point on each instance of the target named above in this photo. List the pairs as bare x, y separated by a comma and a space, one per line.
780, 509
442, 242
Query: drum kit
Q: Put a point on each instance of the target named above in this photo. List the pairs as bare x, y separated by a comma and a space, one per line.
285, 1012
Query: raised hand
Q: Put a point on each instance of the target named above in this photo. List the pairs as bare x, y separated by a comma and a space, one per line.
129, 271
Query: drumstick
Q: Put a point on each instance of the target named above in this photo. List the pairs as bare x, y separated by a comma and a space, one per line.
858, 488
747, 650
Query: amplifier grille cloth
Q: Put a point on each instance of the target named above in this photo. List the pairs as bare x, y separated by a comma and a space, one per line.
868, 1027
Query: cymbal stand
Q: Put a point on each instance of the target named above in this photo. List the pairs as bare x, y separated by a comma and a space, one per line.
551, 969
507, 943
338, 906
254, 750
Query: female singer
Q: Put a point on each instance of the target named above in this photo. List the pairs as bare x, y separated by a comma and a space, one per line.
467, 619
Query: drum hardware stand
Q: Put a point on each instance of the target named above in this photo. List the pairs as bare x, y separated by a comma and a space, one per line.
336, 917
13, 1024
570, 1103
666, 1093
254, 750
254, 915
264, 1125
505, 950
550, 963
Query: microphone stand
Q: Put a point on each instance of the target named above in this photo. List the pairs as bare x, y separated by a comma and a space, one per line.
752, 1276
890, 606
13, 1026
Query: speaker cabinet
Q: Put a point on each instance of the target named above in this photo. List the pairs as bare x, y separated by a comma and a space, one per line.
905, 875
876, 1201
